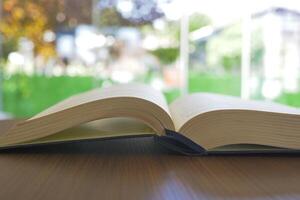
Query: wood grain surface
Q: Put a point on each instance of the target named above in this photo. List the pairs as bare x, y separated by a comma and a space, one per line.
141, 169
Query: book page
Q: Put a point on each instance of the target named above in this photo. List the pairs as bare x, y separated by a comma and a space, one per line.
136, 101
189, 106
99, 129
214, 121
125, 90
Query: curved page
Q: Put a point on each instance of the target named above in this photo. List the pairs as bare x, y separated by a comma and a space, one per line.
213, 120
130, 100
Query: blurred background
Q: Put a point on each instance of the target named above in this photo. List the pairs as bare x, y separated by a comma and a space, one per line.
51, 49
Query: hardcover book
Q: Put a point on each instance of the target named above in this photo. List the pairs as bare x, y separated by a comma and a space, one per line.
199, 123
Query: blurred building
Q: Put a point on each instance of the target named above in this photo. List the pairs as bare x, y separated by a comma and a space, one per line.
281, 41
274, 54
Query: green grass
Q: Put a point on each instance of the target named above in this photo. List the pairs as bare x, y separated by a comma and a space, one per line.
25, 96
292, 99
225, 84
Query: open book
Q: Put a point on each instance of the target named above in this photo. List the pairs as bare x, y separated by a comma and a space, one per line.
196, 123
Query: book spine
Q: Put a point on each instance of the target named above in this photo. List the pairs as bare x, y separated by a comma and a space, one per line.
179, 143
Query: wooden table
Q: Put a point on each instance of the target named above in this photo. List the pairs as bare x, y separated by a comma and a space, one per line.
141, 169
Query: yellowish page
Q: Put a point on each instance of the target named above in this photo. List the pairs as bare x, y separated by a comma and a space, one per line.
187, 107
125, 90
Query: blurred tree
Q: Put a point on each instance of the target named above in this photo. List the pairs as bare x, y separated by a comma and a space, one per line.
111, 17
224, 50
168, 55
32, 18
128, 13
25, 19
198, 20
